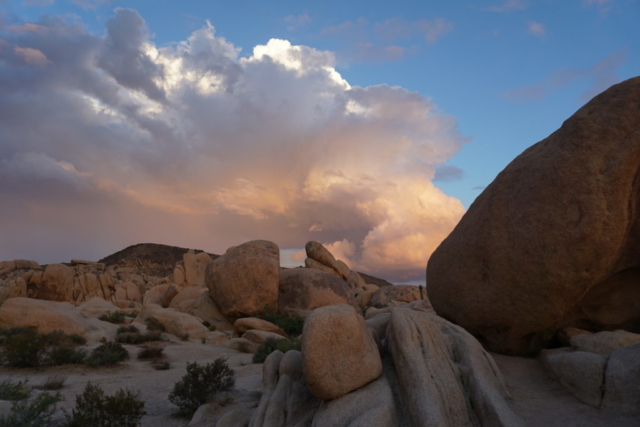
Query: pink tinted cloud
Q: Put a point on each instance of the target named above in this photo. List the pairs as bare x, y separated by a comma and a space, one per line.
192, 145
536, 29
32, 56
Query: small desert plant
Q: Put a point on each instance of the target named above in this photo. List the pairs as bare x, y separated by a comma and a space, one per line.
185, 337
61, 339
273, 344
114, 317
53, 382
107, 354
25, 349
129, 338
66, 356
212, 328
10, 390
95, 409
36, 412
200, 383
161, 365
154, 325
291, 324
151, 352
128, 330
133, 314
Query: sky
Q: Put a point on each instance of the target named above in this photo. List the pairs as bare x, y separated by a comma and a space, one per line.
368, 126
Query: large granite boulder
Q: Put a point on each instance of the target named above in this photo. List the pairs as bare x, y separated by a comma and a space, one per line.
302, 290
57, 283
48, 316
554, 240
338, 353
244, 280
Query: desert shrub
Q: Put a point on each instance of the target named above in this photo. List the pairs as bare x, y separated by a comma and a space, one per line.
200, 383
152, 336
128, 330
185, 337
61, 339
137, 337
206, 323
95, 409
291, 324
36, 412
273, 344
107, 354
151, 352
154, 325
161, 365
6, 333
114, 317
10, 390
66, 356
129, 338
24, 349
212, 328
53, 382
133, 314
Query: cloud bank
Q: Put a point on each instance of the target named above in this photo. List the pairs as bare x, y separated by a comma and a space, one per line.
107, 141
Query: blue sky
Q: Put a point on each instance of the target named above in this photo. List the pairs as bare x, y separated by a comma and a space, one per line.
508, 72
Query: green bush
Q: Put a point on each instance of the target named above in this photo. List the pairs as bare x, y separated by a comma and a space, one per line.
95, 409
25, 349
107, 354
154, 325
60, 339
66, 356
10, 390
36, 412
200, 383
128, 330
114, 317
291, 324
273, 344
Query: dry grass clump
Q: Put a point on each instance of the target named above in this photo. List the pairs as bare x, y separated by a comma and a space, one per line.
153, 351
53, 382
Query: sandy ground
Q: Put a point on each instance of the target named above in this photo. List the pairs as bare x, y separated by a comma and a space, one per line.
537, 398
542, 401
154, 386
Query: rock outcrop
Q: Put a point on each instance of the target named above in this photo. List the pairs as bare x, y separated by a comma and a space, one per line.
338, 353
48, 316
302, 290
554, 240
245, 279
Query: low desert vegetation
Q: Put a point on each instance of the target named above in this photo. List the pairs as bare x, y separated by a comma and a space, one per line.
273, 344
96, 409
154, 325
199, 384
25, 348
131, 335
53, 382
291, 324
26, 411
107, 354
114, 317
161, 365
153, 351
10, 390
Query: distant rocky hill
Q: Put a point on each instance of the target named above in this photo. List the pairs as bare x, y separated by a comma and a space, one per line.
158, 260
149, 258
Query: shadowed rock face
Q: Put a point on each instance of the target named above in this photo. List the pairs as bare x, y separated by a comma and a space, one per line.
554, 241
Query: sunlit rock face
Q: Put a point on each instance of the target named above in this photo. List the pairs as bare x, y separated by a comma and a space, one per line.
554, 241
